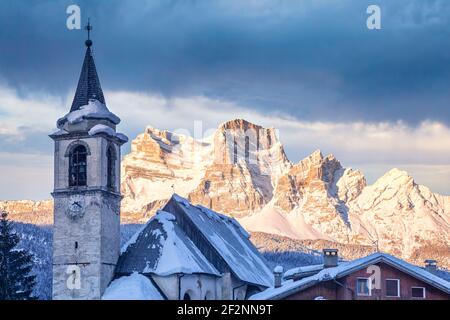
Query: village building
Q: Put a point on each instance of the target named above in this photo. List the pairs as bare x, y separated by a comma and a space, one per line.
379, 276
183, 252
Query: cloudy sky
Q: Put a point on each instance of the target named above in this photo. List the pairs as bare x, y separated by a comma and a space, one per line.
377, 99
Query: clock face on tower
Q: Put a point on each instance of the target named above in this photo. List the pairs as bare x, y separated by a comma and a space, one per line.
76, 207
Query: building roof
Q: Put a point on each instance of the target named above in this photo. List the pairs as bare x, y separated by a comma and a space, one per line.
301, 272
230, 241
162, 248
89, 84
345, 268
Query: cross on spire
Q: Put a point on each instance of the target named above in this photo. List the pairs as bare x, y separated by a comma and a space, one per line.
88, 28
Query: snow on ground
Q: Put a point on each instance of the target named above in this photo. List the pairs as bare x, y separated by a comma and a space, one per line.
133, 287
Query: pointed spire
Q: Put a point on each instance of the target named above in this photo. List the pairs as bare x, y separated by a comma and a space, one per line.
89, 84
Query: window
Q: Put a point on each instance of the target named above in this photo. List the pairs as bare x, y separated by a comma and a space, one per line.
77, 166
362, 287
418, 292
110, 158
392, 288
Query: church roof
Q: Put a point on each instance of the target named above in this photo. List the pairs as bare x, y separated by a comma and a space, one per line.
162, 248
89, 84
184, 238
226, 236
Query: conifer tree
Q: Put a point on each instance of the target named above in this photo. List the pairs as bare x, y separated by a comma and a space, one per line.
16, 280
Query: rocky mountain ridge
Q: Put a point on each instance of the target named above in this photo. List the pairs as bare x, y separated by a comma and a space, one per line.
242, 170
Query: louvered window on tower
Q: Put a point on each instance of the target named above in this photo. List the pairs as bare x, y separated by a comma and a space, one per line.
78, 167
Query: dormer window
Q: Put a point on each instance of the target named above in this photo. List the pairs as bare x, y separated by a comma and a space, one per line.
78, 166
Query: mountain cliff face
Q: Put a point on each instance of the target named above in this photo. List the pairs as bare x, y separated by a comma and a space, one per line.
242, 170
241, 184
206, 171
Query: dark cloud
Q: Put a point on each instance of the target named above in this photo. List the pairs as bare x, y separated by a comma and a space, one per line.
310, 59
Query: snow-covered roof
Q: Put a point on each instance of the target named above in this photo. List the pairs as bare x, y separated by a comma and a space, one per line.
93, 110
162, 248
278, 269
101, 128
230, 240
133, 287
290, 287
301, 271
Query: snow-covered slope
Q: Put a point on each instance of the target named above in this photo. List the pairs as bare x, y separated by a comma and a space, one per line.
402, 216
310, 199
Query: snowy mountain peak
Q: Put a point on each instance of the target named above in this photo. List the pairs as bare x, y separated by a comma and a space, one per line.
395, 177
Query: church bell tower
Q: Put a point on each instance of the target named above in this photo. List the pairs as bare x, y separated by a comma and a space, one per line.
86, 230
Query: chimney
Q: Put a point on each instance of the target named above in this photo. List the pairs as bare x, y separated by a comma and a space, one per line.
431, 265
277, 276
330, 258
